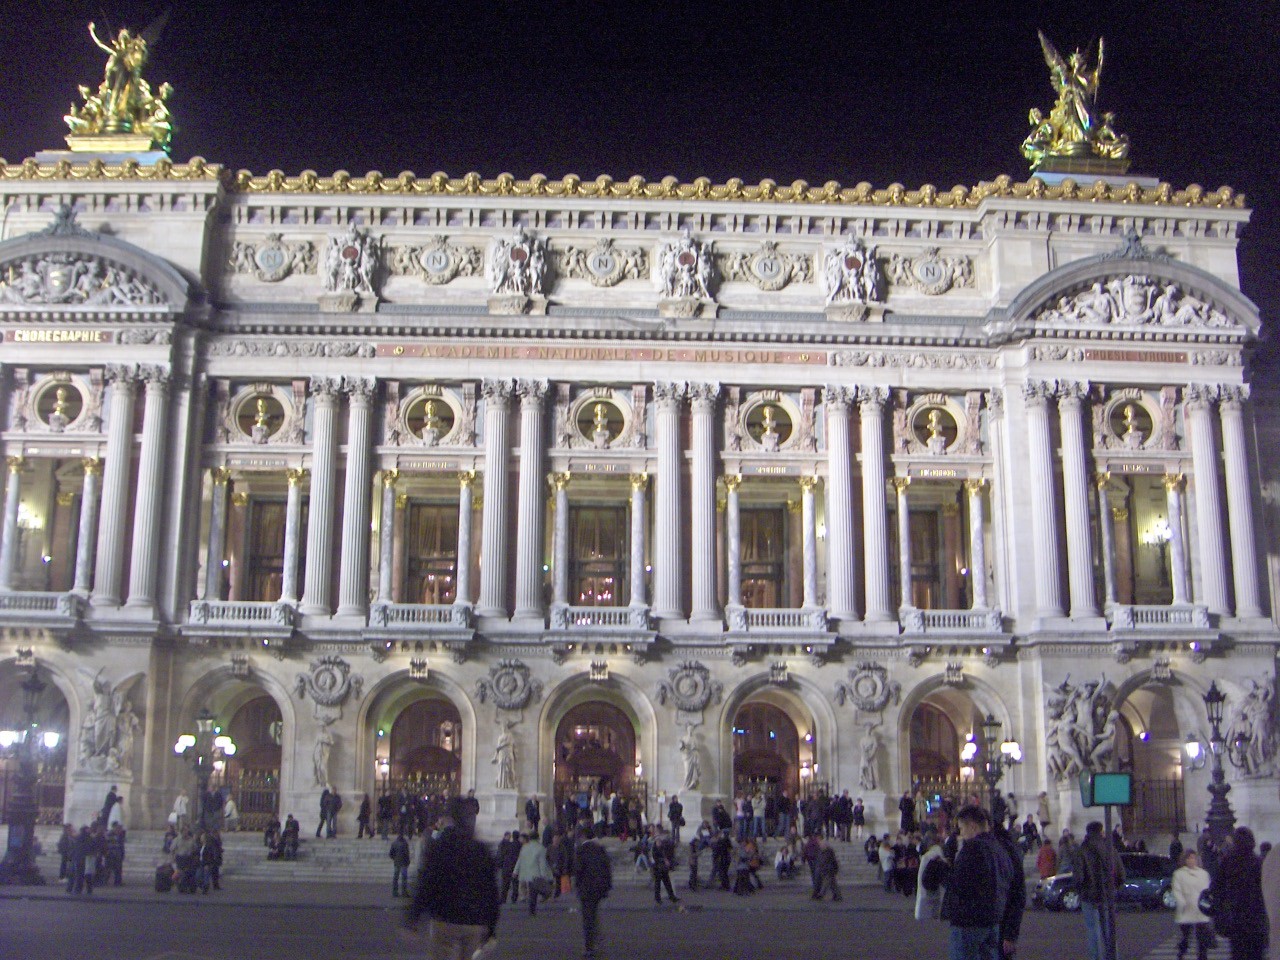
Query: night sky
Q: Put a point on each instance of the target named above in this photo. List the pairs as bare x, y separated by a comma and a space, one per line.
883, 92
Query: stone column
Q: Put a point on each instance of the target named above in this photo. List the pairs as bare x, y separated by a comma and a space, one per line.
733, 541
88, 524
1244, 557
217, 534
1038, 394
353, 574
386, 534
493, 524
1177, 545
875, 513
639, 485
462, 590
9, 545
1075, 482
560, 540
1198, 400
667, 529
977, 542
143, 571
317, 595
292, 529
399, 567
901, 484
809, 540
122, 380
702, 498
841, 602
1107, 527
529, 537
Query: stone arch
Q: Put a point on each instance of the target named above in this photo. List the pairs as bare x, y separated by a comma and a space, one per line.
803, 702
392, 694
982, 695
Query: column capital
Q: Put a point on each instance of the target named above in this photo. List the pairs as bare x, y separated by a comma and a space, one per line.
402, 501
1233, 397
1102, 479
466, 478
1038, 393
531, 391
294, 475
1173, 481
240, 499
703, 396
1199, 396
995, 402
809, 484
872, 399
497, 390
667, 392
15, 464
155, 375
390, 478
120, 374
1072, 391
325, 389
838, 397
732, 481
220, 476
900, 483
975, 485
360, 389
1120, 514
639, 481
559, 480
91, 465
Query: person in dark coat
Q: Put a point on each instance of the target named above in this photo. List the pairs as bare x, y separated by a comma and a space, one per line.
326, 808
470, 809
363, 818
977, 889
508, 855
1239, 911
826, 867
457, 890
114, 855
1016, 904
399, 854
594, 879
907, 810
107, 804
675, 813
662, 860
386, 813
1101, 875
533, 813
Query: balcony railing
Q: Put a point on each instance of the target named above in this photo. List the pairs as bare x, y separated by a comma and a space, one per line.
216, 613
564, 617
42, 604
915, 620
788, 619
420, 615
1158, 617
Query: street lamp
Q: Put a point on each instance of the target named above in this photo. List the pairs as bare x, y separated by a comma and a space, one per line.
996, 756
19, 865
206, 753
1220, 820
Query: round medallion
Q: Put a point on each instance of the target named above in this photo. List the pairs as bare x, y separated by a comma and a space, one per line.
519, 254
602, 263
929, 272
436, 261
852, 263
687, 258
269, 259
350, 252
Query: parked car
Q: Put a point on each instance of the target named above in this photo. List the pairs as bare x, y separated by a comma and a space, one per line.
1148, 884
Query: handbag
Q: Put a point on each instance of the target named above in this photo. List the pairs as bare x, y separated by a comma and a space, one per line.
1205, 903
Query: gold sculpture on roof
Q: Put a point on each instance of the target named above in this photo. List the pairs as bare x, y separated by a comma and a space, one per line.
1075, 137
124, 116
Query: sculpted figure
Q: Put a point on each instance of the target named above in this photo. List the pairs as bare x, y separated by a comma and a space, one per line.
692, 764
1074, 127
504, 756
320, 753
870, 744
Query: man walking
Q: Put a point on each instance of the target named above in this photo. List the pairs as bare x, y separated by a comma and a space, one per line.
508, 855
594, 879
662, 859
977, 890
675, 813
824, 871
399, 854
533, 813
326, 805
1101, 874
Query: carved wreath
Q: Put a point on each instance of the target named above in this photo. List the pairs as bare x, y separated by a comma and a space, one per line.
509, 684
690, 687
869, 688
329, 682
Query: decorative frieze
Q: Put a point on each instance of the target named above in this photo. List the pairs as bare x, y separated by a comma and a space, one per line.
273, 259
437, 260
931, 273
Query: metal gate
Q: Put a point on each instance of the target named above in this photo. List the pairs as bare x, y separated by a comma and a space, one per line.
51, 792
1159, 807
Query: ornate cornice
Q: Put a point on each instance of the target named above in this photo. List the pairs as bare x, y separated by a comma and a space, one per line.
163, 169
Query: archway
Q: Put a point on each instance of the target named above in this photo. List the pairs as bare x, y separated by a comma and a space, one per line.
53, 726
768, 753
252, 774
1149, 744
424, 753
595, 754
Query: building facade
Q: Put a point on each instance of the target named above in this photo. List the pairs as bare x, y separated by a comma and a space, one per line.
534, 487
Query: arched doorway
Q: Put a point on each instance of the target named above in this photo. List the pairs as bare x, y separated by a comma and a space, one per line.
424, 754
1150, 745
944, 738
53, 721
595, 744
768, 755
252, 774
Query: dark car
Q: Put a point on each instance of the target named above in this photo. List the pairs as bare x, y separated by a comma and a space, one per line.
1148, 884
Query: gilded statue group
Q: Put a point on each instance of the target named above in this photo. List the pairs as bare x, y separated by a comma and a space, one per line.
124, 103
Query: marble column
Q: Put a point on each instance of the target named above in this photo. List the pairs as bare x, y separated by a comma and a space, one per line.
88, 524
733, 541
809, 541
667, 522
109, 565
875, 512
353, 573
493, 523
1244, 557
143, 569
977, 542
703, 398
386, 535
900, 484
462, 575
217, 547
1177, 542
1075, 483
841, 601
560, 540
1037, 395
532, 502
639, 486
1106, 525
399, 564
1198, 400
9, 545
292, 531
317, 594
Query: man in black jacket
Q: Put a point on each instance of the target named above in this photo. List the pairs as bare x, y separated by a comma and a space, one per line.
977, 890
1011, 922
675, 813
457, 889
1101, 875
508, 855
594, 879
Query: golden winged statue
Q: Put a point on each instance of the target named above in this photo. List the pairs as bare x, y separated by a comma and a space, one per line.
124, 113
1075, 136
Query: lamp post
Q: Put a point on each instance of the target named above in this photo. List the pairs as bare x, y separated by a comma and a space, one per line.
996, 756
19, 865
204, 751
1220, 820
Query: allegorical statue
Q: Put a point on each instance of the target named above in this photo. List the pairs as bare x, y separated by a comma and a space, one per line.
1075, 130
692, 763
504, 757
124, 102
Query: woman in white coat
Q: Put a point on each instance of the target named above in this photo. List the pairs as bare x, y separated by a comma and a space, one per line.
1189, 881
929, 902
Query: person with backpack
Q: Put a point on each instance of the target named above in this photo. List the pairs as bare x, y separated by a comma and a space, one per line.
934, 868
594, 879
399, 854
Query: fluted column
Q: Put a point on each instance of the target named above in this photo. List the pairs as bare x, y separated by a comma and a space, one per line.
639, 485
841, 602
109, 569
733, 540
493, 524
462, 591
900, 484
217, 534
875, 513
529, 539
9, 545
353, 575
703, 398
1198, 406
809, 541
560, 539
1177, 542
317, 595
1244, 556
386, 535
1075, 483
1046, 550
977, 542
667, 529
292, 529
88, 524
143, 568
1106, 524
